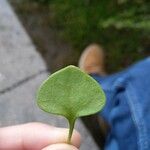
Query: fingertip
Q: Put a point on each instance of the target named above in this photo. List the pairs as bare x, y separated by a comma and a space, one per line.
60, 147
75, 140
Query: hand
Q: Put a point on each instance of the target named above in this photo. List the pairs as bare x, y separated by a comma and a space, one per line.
36, 136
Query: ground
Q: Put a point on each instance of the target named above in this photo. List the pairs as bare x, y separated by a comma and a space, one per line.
22, 70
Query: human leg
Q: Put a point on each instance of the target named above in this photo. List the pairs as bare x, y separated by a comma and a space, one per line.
127, 107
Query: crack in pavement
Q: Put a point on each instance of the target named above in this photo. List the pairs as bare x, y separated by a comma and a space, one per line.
19, 83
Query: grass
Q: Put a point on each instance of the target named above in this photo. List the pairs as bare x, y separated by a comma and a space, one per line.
124, 36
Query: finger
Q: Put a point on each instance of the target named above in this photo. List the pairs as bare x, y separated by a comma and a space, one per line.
60, 147
34, 136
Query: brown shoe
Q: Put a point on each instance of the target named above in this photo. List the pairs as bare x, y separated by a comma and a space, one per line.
92, 60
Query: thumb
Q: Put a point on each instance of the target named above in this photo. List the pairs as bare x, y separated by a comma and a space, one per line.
60, 147
33, 136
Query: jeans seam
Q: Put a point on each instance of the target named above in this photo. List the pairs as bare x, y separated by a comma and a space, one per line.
135, 111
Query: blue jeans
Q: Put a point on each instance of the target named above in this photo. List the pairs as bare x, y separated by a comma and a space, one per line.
127, 108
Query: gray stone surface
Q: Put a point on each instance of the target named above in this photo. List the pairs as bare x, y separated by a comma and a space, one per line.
18, 58
21, 72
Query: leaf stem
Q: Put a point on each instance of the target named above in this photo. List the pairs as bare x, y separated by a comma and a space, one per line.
71, 127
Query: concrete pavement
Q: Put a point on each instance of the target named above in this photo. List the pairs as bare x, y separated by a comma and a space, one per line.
21, 72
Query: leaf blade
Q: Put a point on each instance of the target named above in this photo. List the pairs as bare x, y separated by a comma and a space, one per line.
71, 93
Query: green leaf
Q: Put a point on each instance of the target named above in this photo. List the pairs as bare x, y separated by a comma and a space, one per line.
71, 93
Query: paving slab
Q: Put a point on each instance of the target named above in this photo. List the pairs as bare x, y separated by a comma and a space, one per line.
18, 57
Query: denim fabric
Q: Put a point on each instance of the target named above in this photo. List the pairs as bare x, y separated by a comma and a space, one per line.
127, 108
